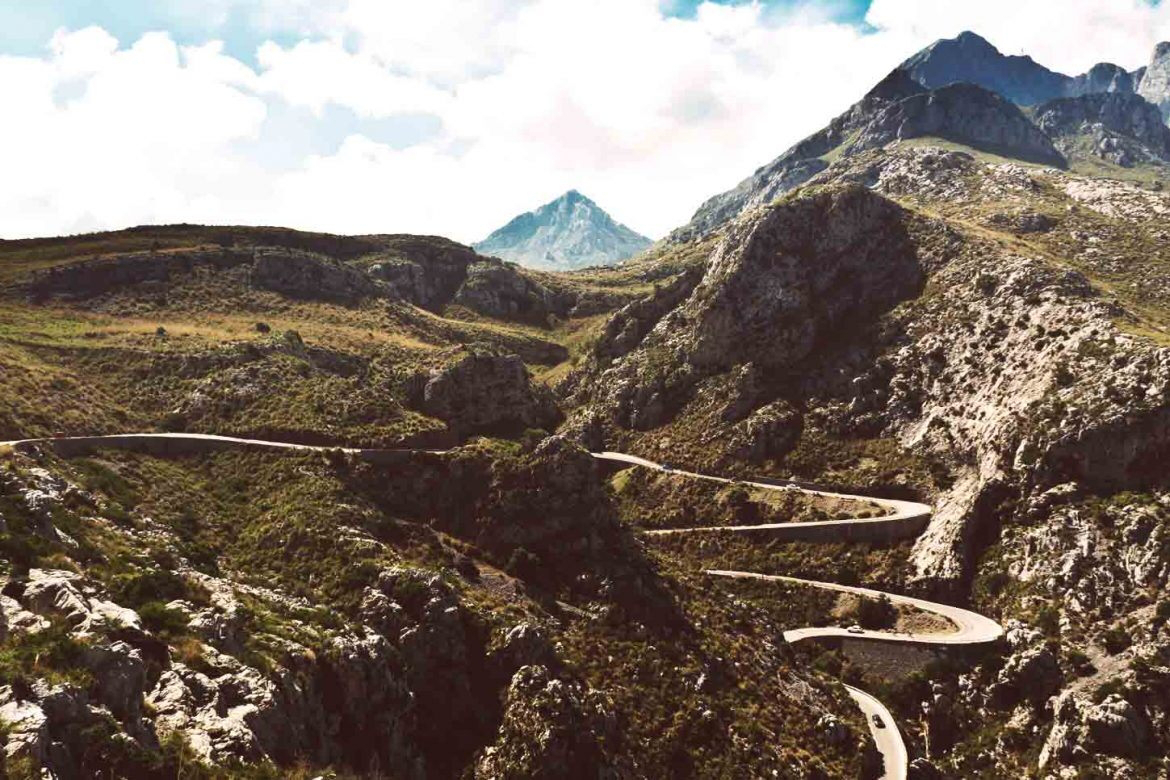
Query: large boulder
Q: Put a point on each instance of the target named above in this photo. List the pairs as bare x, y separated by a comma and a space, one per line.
552, 729
485, 392
499, 290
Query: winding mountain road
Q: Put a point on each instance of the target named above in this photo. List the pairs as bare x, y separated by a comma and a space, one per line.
970, 628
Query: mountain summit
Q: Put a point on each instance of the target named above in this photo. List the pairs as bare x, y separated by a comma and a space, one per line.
964, 91
568, 233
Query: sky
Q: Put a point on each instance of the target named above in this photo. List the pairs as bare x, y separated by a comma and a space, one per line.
450, 117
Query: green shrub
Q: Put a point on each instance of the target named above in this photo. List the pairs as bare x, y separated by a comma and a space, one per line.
1116, 639
160, 619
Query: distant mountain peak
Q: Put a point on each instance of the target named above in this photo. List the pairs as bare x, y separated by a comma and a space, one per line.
569, 232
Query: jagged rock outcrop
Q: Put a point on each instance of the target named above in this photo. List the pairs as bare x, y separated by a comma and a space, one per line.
1124, 129
425, 271
1113, 727
964, 113
1102, 77
485, 392
1031, 673
498, 290
552, 728
303, 275
761, 302
1155, 81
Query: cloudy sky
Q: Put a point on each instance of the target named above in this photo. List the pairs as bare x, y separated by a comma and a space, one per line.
451, 116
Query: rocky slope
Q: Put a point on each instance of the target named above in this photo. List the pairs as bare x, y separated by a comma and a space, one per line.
898, 108
568, 233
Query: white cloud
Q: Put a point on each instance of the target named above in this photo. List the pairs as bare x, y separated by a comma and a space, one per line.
647, 114
143, 139
313, 74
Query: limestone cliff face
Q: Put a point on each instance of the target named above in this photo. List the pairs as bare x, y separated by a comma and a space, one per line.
1155, 82
1123, 128
762, 299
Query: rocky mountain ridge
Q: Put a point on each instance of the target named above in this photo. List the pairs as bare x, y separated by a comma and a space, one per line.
963, 90
972, 59
565, 234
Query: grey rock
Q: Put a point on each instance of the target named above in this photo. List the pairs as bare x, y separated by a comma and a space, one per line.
1102, 77
551, 727
1115, 727
965, 113
1122, 128
770, 432
971, 59
485, 392
315, 277
499, 290
1155, 81
64, 593
524, 644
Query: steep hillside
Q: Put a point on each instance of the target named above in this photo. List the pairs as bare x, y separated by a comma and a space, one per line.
263, 332
570, 232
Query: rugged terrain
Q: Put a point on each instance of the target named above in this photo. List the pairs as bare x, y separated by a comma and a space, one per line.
957, 294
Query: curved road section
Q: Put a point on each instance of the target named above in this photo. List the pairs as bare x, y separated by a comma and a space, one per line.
886, 736
904, 517
971, 628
